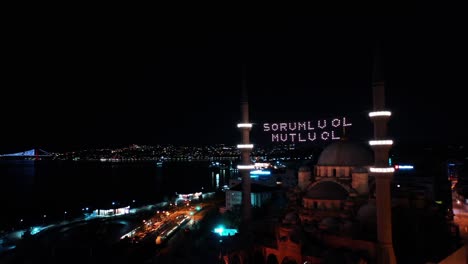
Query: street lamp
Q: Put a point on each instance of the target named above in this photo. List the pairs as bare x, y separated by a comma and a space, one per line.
64, 214
43, 219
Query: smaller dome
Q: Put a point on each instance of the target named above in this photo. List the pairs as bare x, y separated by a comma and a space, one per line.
304, 168
291, 218
296, 235
327, 190
330, 223
367, 212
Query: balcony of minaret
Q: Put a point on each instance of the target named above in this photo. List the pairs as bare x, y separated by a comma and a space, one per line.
245, 146
380, 114
245, 167
382, 170
244, 125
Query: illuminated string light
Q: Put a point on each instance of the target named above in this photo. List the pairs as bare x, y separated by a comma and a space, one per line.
382, 170
244, 125
320, 130
245, 146
380, 142
245, 167
325, 135
380, 113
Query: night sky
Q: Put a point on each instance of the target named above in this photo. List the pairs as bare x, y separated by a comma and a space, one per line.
92, 81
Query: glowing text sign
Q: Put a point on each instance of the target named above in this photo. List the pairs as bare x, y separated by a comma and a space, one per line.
306, 131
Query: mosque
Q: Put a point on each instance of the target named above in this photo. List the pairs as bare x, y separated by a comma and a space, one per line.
341, 209
333, 206
340, 185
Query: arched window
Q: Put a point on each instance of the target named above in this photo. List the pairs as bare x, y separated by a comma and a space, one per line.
272, 259
258, 257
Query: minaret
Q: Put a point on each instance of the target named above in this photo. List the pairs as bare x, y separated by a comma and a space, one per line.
245, 126
381, 171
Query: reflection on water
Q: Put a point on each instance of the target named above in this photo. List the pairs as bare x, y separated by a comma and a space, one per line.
219, 178
34, 188
10, 168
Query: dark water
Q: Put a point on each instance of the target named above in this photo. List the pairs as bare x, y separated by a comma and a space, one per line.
31, 189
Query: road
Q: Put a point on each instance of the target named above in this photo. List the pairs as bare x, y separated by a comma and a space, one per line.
460, 210
182, 245
101, 239
189, 246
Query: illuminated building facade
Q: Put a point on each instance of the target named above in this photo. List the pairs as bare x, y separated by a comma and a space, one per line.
258, 196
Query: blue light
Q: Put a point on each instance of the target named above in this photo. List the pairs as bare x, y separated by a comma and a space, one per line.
260, 172
35, 230
221, 231
404, 167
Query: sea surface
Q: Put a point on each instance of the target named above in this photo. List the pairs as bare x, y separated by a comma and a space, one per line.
37, 192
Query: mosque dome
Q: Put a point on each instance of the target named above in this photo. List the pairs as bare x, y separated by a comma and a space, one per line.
296, 235
347, 224
329, 223
327, 190
291, 218
367, 212
346, 153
